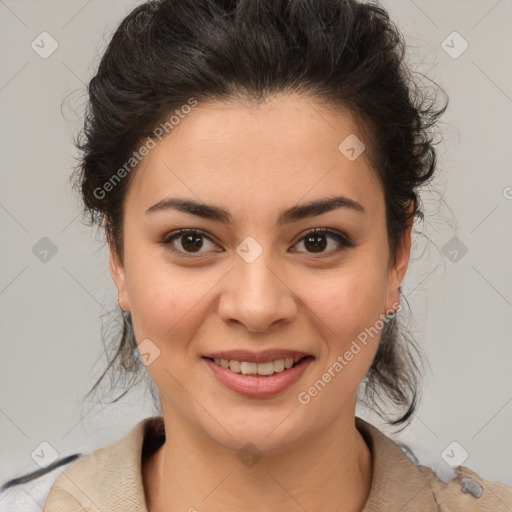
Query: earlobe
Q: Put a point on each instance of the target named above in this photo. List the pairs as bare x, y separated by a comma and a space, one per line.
117, 272
403, 254
397, 273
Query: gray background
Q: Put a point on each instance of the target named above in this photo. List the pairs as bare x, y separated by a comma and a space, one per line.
51, 349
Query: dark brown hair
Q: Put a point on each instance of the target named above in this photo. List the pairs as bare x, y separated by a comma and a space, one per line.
347, 54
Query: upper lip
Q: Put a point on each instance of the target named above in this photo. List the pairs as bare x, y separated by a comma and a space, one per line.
257, 357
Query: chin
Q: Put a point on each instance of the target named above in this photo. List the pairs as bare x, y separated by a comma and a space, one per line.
270, 432
255, 442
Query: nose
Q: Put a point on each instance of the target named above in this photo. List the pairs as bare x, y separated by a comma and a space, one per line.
257, 295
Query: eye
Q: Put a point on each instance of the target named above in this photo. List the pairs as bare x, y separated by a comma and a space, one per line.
316, 240
190, 240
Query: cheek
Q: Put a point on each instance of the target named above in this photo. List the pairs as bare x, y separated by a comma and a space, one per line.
348, 311
348, 304
168, 307
163, 298
347, 301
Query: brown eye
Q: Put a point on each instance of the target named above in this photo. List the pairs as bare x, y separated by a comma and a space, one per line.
316, 241
191, 242
186, 242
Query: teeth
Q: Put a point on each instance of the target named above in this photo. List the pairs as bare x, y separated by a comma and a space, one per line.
279, 365
249, 368
265, 368
234, 366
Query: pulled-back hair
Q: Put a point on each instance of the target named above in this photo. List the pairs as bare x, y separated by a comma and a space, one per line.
346, 54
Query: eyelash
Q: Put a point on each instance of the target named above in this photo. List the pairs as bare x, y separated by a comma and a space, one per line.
341, 239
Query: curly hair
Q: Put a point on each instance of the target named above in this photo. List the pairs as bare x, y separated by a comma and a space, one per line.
347, 54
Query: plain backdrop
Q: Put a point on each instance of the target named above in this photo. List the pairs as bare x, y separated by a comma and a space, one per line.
54, 280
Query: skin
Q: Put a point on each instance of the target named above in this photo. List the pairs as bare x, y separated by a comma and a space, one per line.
256, 161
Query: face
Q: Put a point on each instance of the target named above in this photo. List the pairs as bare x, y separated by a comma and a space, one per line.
250, 281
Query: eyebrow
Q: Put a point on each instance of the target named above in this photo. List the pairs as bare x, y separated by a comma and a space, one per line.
293, 214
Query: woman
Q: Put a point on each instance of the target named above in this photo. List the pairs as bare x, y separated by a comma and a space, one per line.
256, 166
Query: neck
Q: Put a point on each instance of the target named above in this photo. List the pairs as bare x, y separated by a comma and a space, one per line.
331, 471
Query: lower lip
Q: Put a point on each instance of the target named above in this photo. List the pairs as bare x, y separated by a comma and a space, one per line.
259, 386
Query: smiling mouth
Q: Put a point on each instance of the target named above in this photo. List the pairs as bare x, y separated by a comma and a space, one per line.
263, 369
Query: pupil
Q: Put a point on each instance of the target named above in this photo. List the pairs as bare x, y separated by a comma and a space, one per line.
318, 246
193, 246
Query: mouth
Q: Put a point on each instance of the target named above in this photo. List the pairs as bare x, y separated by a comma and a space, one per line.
261, 369
262, 375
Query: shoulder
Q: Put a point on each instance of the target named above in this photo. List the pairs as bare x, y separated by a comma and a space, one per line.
469, 492
399, 483
28, 492
108, 478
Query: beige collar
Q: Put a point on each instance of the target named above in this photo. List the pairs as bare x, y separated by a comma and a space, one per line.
110, 479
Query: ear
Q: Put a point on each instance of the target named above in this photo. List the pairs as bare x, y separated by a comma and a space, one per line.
397, 272
119, 277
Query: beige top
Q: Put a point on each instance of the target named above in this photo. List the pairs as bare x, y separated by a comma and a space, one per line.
110, 479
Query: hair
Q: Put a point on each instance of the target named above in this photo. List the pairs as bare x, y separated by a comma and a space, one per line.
348, 55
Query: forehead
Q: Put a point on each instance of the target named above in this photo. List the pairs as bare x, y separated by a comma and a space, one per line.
281, 152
